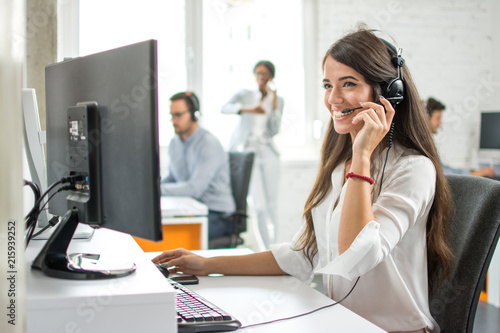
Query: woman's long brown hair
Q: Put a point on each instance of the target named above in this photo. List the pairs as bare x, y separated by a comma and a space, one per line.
368, 55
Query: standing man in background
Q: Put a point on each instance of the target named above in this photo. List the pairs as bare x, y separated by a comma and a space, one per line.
435, 111
260, 113
199, 166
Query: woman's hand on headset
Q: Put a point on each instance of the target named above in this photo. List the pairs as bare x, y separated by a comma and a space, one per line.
377, 122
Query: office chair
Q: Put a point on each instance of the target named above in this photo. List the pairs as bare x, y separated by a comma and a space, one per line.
474, 233
240, 164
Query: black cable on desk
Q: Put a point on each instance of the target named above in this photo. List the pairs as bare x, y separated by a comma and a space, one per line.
31, 218
306, 313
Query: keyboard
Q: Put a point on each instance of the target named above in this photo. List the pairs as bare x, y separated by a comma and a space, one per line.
196, 314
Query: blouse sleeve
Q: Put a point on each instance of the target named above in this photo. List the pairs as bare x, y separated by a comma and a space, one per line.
234, 105
406, 199
294, 262
274, 119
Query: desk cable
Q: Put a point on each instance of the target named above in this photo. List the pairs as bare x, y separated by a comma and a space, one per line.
31, 218
306, 313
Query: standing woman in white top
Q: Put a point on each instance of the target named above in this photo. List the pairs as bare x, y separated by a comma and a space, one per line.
379, 207
260, 113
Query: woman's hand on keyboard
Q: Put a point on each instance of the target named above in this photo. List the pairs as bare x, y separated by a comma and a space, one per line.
182, 260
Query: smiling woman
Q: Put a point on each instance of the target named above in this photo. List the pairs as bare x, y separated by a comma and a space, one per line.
344, 88
370, 218
368, 236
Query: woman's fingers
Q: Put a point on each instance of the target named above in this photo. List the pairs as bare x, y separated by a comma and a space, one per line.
189, 264
381, 114
376, 121
169, 255
389, 109
368, 116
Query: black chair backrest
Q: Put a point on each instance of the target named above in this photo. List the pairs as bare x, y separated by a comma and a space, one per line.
475, 229
240, 164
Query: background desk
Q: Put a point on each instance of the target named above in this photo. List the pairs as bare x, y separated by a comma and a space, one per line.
184, 224
141, 302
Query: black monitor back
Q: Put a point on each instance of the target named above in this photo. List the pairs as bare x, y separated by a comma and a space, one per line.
123, 82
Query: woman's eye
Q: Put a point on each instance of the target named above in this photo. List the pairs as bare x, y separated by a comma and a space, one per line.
326, 86
349, 84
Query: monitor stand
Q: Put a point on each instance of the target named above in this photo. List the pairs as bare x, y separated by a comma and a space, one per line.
54, 261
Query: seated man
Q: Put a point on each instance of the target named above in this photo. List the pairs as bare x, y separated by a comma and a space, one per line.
199, 166
435, 110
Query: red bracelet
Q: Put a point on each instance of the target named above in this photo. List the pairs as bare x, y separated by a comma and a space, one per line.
352, 174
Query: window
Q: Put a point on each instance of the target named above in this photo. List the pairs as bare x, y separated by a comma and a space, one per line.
113, 23
211, 47
237, 34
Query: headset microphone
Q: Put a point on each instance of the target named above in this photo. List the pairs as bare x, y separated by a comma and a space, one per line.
359, 107
350, 110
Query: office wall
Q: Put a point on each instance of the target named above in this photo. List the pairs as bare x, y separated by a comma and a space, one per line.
451, 48
41, 46
12, 278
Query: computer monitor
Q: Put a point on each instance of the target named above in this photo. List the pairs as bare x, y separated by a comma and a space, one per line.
34, 140
102, 137
490, 130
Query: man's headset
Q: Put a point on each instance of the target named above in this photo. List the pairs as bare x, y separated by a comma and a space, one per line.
195, 105
392, 90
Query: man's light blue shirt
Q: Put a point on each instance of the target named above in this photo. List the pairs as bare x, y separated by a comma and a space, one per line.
199, 168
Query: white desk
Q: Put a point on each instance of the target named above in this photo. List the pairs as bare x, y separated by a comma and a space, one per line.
258, 299
144, 301
141, 302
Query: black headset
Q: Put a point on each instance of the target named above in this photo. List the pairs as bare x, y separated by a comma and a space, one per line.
195, 104
393, 90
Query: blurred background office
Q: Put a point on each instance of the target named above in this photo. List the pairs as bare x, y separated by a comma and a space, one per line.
452, 48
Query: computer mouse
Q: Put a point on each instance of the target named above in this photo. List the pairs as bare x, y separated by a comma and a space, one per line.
163, 269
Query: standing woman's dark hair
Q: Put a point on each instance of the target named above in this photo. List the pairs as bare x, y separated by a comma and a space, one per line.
368, 55
269, 65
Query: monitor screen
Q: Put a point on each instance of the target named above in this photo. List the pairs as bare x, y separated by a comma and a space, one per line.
102, 130
490, 130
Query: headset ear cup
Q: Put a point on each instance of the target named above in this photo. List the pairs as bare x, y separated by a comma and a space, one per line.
196, 105
393, 91
193, 99
195, 115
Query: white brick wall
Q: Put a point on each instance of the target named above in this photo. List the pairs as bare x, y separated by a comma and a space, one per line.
452, 50
297, 179
448, 46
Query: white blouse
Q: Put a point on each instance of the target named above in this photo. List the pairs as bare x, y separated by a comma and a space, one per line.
255, 130
389, 254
